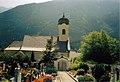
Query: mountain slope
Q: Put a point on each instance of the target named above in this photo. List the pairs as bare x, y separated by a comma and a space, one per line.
41, 19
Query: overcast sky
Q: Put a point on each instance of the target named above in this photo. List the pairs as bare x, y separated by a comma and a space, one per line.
13, 3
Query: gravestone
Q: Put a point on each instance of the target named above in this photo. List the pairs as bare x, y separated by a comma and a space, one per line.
17, 75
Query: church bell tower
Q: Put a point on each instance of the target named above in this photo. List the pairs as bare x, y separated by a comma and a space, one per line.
63, 26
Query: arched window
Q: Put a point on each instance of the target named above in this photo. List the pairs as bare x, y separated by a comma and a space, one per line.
63, 31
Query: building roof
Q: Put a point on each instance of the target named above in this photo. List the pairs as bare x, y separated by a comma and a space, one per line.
15, 45
63, 46
38, 43
63, 57
63, 20
35, 43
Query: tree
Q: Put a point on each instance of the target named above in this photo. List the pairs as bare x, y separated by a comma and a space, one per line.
49, 57
100, 47
98, 71
84, 66
4, 56
49, 54
32, 57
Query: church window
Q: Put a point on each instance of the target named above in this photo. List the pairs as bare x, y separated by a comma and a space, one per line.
63, 31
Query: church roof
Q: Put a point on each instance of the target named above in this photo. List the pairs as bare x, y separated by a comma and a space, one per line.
62, 57
63, 46
36, 43
63, 20
15, 45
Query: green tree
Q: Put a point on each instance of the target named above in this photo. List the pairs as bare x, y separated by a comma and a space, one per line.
99, 47
98, 71
4, 56
49, 54
49, 57
32, 57
83, 66
19, 57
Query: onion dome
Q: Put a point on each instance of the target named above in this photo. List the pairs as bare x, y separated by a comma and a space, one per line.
63, 20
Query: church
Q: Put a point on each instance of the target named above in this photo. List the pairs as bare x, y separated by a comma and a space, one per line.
37, 45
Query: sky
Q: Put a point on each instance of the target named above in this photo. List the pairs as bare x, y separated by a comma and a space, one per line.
13, 3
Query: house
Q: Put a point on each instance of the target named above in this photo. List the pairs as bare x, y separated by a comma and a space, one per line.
37, 45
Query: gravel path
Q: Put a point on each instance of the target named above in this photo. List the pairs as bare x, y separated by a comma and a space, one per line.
65, 77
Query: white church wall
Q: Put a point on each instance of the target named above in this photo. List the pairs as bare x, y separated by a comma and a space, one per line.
37, 55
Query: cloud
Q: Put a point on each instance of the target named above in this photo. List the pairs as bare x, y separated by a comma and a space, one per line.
13, 3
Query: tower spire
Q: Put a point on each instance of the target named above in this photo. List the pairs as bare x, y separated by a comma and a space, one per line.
63, 15
63, 20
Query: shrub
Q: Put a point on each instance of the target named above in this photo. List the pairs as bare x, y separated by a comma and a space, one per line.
86, 78
80, 78
84, 66
51, 70
105, 77
98, 71
76, 60
80, 72
74, 67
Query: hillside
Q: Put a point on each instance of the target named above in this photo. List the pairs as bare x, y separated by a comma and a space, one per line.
41, 19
